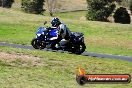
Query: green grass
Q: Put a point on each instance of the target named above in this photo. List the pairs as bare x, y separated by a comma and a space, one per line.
18, 27
57, 70
77, 15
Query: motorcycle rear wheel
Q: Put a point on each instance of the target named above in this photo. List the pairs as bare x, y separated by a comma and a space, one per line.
80, 48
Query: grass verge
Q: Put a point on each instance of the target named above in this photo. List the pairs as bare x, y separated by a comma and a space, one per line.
54, 69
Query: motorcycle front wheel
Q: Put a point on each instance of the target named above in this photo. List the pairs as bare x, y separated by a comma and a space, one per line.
38, 44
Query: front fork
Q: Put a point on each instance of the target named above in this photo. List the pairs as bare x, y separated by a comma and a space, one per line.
40, 40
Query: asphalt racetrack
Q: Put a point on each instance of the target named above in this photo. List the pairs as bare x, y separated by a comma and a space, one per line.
127, 58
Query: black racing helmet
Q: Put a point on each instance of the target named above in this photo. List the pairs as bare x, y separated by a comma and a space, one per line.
55, 22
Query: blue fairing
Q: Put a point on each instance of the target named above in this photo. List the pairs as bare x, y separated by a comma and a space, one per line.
46, 34
53, 33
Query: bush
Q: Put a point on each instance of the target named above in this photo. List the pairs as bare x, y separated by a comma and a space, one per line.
0, 3
121, 16
99, 10
6, 3
33, 6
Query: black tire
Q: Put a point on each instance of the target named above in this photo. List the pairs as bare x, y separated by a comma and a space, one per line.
80, 48
38, 45
34, 43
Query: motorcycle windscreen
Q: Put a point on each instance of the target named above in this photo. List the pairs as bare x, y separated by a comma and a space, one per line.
40, 30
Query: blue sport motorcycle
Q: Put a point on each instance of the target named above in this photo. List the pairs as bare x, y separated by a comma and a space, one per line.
45, 36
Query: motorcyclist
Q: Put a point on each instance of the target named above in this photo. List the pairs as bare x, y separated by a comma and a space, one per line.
63, 31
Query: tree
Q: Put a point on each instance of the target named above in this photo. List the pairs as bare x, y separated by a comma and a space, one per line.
99, 10
121, 16
33, 6
52, 6
6, 3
